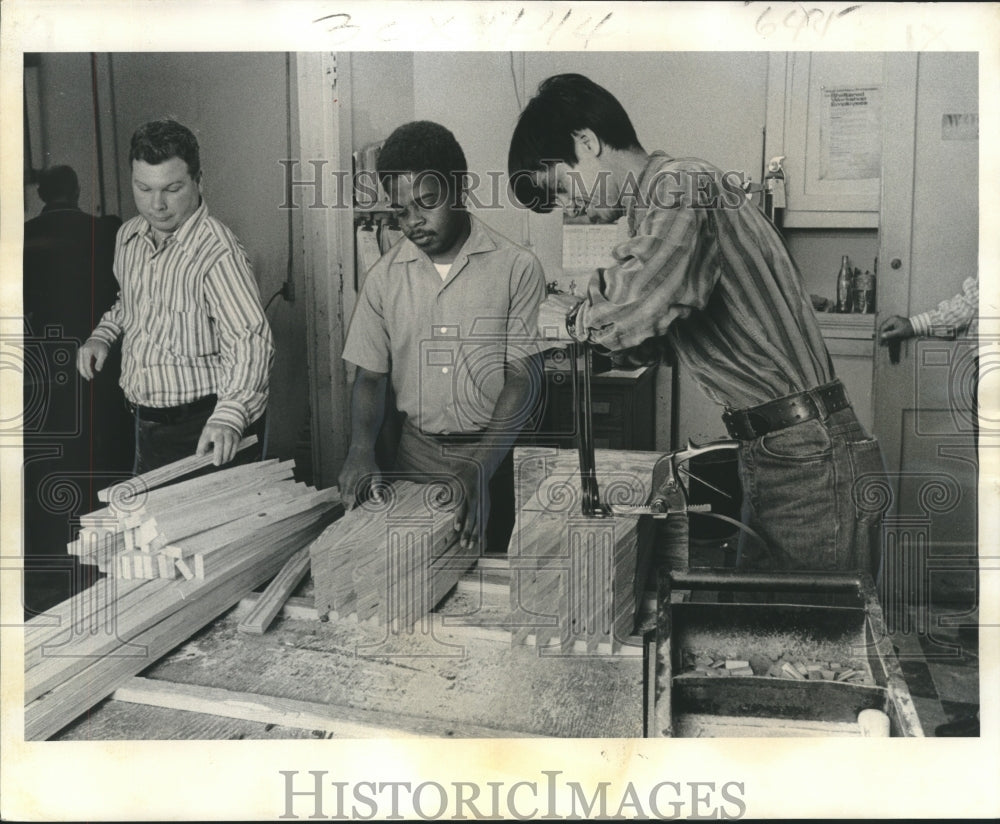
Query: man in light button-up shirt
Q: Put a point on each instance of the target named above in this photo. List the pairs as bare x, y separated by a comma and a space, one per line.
449, 315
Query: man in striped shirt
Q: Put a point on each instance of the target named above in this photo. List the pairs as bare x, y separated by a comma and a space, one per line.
196, 347
705, 276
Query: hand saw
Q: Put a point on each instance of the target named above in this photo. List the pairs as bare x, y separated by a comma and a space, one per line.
668, 495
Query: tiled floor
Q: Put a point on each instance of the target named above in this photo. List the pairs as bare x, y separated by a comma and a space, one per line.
941, 667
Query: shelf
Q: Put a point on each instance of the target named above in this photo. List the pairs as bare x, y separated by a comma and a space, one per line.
852, 326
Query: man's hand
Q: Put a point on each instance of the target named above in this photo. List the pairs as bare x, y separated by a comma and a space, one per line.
473, 513
90, 357
222, 439
552, 316
895, 327
360, 472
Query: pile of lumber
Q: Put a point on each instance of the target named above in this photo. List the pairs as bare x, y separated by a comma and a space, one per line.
391, 562
78, 652
576, 582
185, 530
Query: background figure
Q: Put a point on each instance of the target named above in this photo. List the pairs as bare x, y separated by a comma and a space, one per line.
957, 314
76, 434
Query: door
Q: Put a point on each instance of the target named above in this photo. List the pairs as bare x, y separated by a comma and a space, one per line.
928, 244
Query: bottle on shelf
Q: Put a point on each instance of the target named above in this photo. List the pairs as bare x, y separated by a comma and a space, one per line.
864, 293
845, 282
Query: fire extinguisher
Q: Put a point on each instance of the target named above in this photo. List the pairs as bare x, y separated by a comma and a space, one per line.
774, 190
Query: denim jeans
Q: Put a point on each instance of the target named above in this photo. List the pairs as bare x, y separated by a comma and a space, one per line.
814, 492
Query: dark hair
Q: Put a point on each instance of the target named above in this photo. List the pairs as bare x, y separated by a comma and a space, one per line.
423, 147
58, 183
564, 104
160, 140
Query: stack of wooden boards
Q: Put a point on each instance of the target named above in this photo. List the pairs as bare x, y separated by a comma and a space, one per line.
78, 652
390, 562
576, 581
188, 529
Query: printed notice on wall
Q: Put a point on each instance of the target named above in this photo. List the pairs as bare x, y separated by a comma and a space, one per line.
850, 133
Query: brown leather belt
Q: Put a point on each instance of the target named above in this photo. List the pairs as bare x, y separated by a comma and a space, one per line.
821, 402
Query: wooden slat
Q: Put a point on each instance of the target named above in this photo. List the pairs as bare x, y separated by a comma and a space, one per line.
165, 474
343, 721
581, 572
172, 526
227, 534
133, 512
272, 526
296, 608
379, 564
277, 592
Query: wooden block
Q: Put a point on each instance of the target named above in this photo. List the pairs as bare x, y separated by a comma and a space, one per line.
733, 664
184, 569
792, 672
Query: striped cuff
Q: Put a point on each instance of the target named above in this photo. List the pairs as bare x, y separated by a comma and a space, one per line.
921, 324
231, 414
104, 334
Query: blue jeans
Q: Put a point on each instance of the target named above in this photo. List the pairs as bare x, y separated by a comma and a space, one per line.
815, 493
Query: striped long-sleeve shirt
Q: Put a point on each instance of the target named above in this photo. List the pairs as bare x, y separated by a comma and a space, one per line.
706, 274
952, 315
192, 320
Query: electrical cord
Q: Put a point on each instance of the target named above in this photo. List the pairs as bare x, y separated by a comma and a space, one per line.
270, 300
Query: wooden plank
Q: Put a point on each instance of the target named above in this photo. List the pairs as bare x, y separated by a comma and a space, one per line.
79, 614
296, 608
342, 720
277, 592
308, 513
226, 534
164, 474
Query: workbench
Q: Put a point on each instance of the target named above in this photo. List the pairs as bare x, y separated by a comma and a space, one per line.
471, 667
456, 675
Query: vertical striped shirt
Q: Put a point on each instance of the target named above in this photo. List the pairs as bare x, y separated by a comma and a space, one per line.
192, 320
704, 273
952, 315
